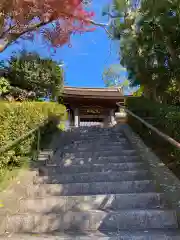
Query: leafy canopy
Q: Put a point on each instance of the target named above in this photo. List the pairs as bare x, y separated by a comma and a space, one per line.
149, 37
54, 20
31, 73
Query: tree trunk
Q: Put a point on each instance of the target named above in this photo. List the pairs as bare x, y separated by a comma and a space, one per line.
154, 94
178, 85
146, 91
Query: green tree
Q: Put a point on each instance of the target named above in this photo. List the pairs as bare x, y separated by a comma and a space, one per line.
113, 77
149, 45
33, 74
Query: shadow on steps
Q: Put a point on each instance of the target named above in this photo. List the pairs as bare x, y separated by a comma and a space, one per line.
135, 209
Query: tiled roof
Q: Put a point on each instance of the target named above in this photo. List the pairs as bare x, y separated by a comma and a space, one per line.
93, 92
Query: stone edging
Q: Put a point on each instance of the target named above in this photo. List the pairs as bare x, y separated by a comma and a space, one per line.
47, 154
163, 176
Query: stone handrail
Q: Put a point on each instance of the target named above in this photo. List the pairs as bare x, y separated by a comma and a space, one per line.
161, 134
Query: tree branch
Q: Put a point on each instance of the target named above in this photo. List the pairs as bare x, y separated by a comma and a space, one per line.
32, 28
6, 31
14, 36
103, 25
112, 16
97, 24
8, 38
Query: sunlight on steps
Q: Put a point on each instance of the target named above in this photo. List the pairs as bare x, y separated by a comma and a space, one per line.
94, 186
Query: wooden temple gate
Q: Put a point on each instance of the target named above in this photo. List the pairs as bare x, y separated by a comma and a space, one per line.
91, 106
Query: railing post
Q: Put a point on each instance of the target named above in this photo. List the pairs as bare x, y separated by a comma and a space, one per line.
38, 141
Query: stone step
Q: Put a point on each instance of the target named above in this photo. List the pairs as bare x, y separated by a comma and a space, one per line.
116, 159
122, 235
102, 143
91, 221
93, 188
139, 219
98, 139
96, 160
113, 145
88, 137
57, 204
95, 145
102, 135
108, 153
94, 177
101, 131
123, 152
82, 168
102, 140
115, 149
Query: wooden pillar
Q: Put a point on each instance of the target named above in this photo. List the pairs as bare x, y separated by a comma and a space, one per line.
106, 119
76, 117
112, 117
67, 122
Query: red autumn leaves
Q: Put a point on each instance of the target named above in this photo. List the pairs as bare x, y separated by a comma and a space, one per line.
55, 20
69, 18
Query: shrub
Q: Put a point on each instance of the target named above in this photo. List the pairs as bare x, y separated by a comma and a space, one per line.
4, 85
17, 119
166, 118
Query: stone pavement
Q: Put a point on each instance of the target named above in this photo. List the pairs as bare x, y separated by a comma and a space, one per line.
95, 186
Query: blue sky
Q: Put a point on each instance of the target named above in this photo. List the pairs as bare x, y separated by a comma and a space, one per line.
86, 59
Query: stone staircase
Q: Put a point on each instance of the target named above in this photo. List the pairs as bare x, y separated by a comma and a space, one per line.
94, 187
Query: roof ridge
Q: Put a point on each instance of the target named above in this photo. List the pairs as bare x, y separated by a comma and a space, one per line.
93, 88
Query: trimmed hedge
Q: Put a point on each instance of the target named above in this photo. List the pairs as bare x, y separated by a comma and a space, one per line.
166, 118
17, 119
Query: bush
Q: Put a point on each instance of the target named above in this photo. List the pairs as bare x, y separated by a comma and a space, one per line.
166, 118
17, 119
